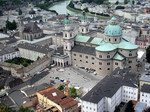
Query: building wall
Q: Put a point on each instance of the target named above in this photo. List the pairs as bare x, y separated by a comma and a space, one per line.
33, 69
120, 64
32, 55
30, 37
129, 93
145, 98
56, 40
9, 56
88, 107
143, 82
123, 94
83, 60
47, 102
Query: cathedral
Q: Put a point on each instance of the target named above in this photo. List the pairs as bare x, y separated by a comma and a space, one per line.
101, 53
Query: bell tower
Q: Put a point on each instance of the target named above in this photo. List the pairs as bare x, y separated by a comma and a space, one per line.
20, 23
68, 38
84, 25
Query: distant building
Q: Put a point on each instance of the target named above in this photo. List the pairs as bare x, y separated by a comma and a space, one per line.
56, 101
143, 39
145, 94
7, 53
120, 86
33, 52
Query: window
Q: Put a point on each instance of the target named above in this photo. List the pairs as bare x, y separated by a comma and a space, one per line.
109, 40
86, 56
108, 56
129, 66
100, 63
130, 54
70, 35
92, 58
86, 61
108, 68
108, 63
92, 63
65, 35
130, 61
75, 59
100, 68
80, 60
100, 56
116, 63
115, 39
80, 55
74, 54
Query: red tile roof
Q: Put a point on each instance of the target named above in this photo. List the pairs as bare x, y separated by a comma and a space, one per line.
60, 98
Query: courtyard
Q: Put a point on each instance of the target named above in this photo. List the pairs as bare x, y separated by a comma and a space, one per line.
77, 78
20, 61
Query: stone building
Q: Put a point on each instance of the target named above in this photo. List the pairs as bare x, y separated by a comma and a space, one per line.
103, 53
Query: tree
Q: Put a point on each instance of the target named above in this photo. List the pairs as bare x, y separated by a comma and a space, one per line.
73, 92
61, 87
4, 108
125, 1
148, 54
117, 109
129, 107
120, 7
22, 109
117, 2
11, 25
133, 2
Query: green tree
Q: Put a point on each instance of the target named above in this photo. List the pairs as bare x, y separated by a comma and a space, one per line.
120, 7
148, 54
129, 107
133, 2
22, 109
11, 25
61, 87
4, 108
2, 2
125, 1
117, 2
73, 92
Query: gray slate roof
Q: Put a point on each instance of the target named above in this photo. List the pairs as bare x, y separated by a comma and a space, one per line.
32, 90
8, 50
110, 84
37, 48
84, 49
145, 88
31, 28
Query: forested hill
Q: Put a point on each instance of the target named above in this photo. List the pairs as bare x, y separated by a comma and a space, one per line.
13, 4
94, 1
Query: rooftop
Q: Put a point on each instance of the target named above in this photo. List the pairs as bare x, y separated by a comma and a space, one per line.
58, 97
31, 28
84, 49
110, 84
37, 48
106, 47
118, 57
81, 38
145, 88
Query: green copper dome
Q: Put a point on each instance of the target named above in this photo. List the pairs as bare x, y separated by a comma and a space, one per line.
66, 20
106, 47
113, 29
